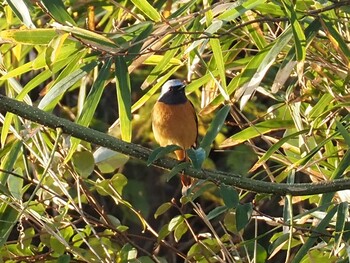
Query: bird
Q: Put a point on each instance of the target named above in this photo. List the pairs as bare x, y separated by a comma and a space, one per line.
174, 121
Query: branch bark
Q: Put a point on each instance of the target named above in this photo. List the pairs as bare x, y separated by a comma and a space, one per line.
136, 151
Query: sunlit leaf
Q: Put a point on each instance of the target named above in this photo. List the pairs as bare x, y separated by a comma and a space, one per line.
53, 49
91, 103
21, 10
162, 209
257, 130
108, 161
322, 225
40, 36
124, 98
147, 9
57, 91
180, 230
214, 128
58, 11
83, 163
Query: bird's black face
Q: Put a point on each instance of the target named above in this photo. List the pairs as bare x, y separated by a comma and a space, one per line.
173, 92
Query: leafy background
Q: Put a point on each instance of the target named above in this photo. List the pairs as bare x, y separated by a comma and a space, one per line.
280, 67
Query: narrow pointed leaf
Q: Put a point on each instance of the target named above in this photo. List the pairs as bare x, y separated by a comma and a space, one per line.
58, 11
147, 9
214, 128
91, 104
257, 130
124, 98
54, 95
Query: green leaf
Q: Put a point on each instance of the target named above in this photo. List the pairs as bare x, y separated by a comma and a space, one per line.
164, 64
239, 8
229, 195
298, 32
275, 147
257, 130
91, 103
217, 52
107, 187
216, 212
180, 230
83, 163
162, 209
15, 184
64, 259
344, 132
161, 152
163, 232
321, 227
22, 12
54, 95
8, 219
6, 125
243, 214
257, 68
342, 218
41, 36
58, 11
174, 222
90, 38
108, 161
124, 98
119, 181
147, 9
138, 41
177, 169
214, 128
197, 157
230, 222
334, 36
53, 50
8, 162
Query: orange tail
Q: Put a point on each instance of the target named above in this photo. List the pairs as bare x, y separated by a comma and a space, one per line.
185, 179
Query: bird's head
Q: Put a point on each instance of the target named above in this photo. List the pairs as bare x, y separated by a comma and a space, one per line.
173, 92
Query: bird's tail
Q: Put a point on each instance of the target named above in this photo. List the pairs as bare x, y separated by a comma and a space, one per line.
185, 179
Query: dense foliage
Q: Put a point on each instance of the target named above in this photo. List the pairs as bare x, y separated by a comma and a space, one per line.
270, 82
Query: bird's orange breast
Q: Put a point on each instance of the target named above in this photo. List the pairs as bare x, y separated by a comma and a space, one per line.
174, 124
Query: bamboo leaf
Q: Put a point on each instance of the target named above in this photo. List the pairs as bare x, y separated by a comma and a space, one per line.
257, 130
91, 104
214, 128
147, 9
40, 36
238, 8
124, 98
217, 51
90, 38
53, 50
58, 11
56, 92
22, 12
321, 227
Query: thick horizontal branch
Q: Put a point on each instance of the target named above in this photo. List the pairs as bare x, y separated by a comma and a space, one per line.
142, 153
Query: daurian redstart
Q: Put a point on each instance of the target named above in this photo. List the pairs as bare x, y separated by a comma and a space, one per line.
174, 121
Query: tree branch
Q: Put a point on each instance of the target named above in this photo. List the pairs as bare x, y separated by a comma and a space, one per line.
136, 151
